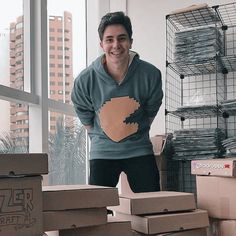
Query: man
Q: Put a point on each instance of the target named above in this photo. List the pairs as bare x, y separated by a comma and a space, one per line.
116, 98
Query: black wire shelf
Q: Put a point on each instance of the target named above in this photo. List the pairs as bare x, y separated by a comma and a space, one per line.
196, 111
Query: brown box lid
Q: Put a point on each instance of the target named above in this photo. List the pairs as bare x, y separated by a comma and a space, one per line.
155, 202
114, 227
61, 197
163, 223
21, 206
70, 219
214, 167
23, 164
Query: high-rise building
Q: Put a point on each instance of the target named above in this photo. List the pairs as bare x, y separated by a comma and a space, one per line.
60, 71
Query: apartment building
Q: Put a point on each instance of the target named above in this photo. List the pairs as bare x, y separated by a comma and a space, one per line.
60, 77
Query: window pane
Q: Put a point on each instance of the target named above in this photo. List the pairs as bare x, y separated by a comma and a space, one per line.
14, 129
12, 44
67, 48
67, 150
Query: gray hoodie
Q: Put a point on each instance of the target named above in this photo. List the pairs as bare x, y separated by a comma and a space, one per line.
118, 113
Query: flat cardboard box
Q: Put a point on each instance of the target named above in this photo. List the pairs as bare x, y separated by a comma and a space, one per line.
194, 232
214, 167
114, 227
164, 223
70, 219
217, 195
61, 197
155, 202
23, 164
21, 206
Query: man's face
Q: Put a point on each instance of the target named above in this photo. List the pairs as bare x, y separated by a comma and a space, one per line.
116, 43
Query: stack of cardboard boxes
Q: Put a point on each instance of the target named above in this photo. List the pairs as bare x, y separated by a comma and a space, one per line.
28, 209
82, 210
21, 194
216, 192
162, 212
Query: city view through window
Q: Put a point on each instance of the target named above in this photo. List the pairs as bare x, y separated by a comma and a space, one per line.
66, 58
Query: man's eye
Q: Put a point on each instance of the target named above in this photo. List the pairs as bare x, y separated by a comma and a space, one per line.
108, 40
122, 39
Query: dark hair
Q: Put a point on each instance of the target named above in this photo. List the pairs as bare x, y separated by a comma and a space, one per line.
114, 18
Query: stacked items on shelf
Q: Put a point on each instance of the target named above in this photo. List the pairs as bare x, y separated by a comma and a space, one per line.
201, 143
197, 45
156, 213
81, 210
200, 14
230, 146
194, 111
21, 193
229, 106
216, 193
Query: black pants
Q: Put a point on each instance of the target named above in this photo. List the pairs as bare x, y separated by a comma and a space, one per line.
142, 173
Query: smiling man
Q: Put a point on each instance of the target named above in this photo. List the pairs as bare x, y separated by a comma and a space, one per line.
116, 98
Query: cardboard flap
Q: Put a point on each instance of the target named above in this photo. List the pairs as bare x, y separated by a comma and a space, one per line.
158, 143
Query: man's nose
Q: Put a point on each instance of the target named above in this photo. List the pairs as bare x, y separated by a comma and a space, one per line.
116, 43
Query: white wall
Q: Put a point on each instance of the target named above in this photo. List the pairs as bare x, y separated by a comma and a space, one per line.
149, 32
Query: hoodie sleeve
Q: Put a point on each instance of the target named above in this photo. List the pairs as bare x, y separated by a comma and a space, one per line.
82, 102
155, 95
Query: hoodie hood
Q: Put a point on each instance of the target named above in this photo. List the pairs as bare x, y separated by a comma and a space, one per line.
98, 67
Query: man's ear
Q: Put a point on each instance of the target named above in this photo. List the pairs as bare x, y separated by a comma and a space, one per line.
131, 42
101, 44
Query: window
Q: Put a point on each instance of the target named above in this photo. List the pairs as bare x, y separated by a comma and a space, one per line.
22, 111
70, 136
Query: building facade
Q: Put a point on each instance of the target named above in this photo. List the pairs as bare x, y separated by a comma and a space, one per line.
60, 77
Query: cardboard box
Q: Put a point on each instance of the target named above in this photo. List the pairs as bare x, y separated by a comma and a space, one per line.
158, 143
227, 228
163, 223
214, 167
217, 195
23, 164
163, 180
155, 202
70, 219
21, 206
61, 197
194, 232
114, 227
